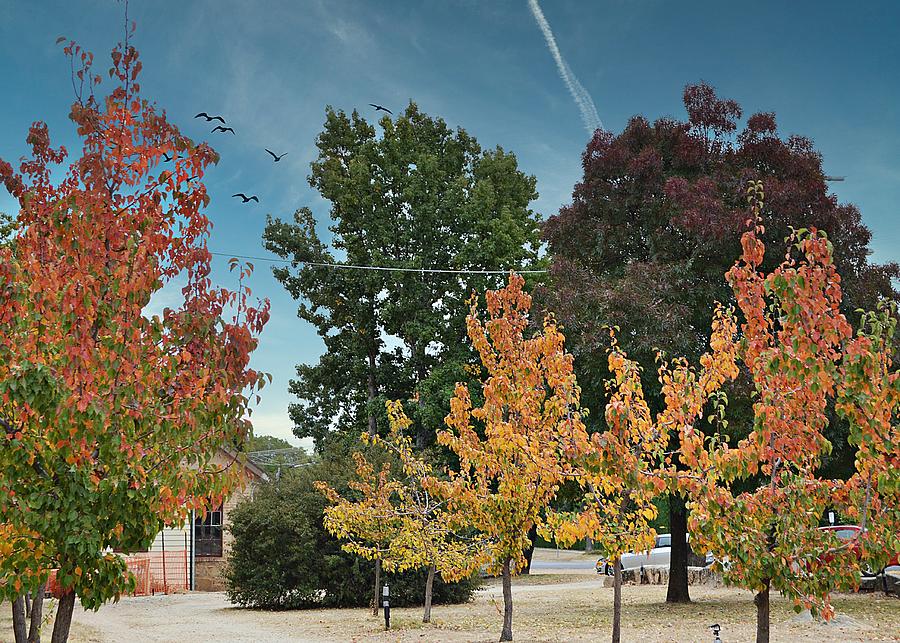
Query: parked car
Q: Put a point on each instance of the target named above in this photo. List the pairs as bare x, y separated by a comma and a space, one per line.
660, 555
848, 533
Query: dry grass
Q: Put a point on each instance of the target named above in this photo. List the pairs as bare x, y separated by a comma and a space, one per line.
562, 606
578, 610
78, 632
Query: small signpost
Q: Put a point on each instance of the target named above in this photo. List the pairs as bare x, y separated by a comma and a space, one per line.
386, 592
715, 627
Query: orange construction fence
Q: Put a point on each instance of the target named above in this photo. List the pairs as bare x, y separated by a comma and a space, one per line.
156, 572
169, 570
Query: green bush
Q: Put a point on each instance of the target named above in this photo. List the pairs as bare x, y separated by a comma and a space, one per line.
283, 558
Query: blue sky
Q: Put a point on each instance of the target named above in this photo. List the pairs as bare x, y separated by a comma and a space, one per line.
828, 70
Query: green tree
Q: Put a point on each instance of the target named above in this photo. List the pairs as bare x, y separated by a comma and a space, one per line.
274, 454
654, 224
419, 195
7, 227
266, 443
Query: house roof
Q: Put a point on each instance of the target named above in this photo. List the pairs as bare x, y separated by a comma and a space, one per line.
251, 467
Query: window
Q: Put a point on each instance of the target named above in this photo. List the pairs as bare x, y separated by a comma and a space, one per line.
208, 533
663, 541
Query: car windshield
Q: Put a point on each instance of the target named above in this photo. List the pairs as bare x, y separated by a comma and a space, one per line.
663, 541
845, 534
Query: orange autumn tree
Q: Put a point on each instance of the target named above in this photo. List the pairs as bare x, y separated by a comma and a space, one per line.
396, 519
111, 416
624, 468
797, 348
511, 448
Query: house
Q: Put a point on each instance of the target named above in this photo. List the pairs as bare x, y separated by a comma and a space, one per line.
193, 557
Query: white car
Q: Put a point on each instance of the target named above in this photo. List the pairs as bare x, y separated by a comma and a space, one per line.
659, 555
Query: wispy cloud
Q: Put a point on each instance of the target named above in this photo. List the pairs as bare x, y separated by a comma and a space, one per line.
579, 93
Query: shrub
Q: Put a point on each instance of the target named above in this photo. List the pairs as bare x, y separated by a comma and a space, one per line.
283, 558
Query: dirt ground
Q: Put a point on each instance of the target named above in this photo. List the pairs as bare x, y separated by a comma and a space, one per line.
569, 606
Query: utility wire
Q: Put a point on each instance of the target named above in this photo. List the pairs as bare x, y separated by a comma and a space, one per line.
345, 266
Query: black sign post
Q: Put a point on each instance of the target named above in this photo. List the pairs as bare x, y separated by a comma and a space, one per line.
386, 592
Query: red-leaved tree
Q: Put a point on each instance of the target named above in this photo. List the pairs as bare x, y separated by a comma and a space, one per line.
656, 220
112, 416
801, 356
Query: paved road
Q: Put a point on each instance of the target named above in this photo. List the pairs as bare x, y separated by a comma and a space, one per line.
586, 563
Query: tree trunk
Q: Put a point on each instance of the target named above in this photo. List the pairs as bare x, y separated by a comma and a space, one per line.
28, 605
678, 562
417, 359
617, 601
588, 545
429, 585
18, 617
37, 615
63, 618
761, 600
373, 427
506, 634
422, 432
529, 553
376, 598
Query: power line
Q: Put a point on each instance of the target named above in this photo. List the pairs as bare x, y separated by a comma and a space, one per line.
345, 266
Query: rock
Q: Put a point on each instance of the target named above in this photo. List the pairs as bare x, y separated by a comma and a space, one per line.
842, 620
654, 575
659, 575
703, 576
839, 620
803, 617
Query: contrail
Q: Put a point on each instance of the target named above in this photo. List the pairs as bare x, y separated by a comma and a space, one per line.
579, 93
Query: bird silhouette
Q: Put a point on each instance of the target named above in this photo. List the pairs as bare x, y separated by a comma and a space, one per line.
380, 108
166, 157
245, 198
275, 156
210, 118
219, 128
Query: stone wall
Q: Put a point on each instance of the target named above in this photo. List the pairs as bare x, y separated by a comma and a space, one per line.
209, 571
658, 575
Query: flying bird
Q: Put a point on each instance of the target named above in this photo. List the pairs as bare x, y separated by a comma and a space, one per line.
210, 118
245, 198
380, 108
275, 156
166, 157
834, 178
219, 128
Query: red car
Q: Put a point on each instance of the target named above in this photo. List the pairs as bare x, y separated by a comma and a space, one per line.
850, 532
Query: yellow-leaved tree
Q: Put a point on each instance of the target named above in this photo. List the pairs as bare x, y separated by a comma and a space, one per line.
395, 517
511, 448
